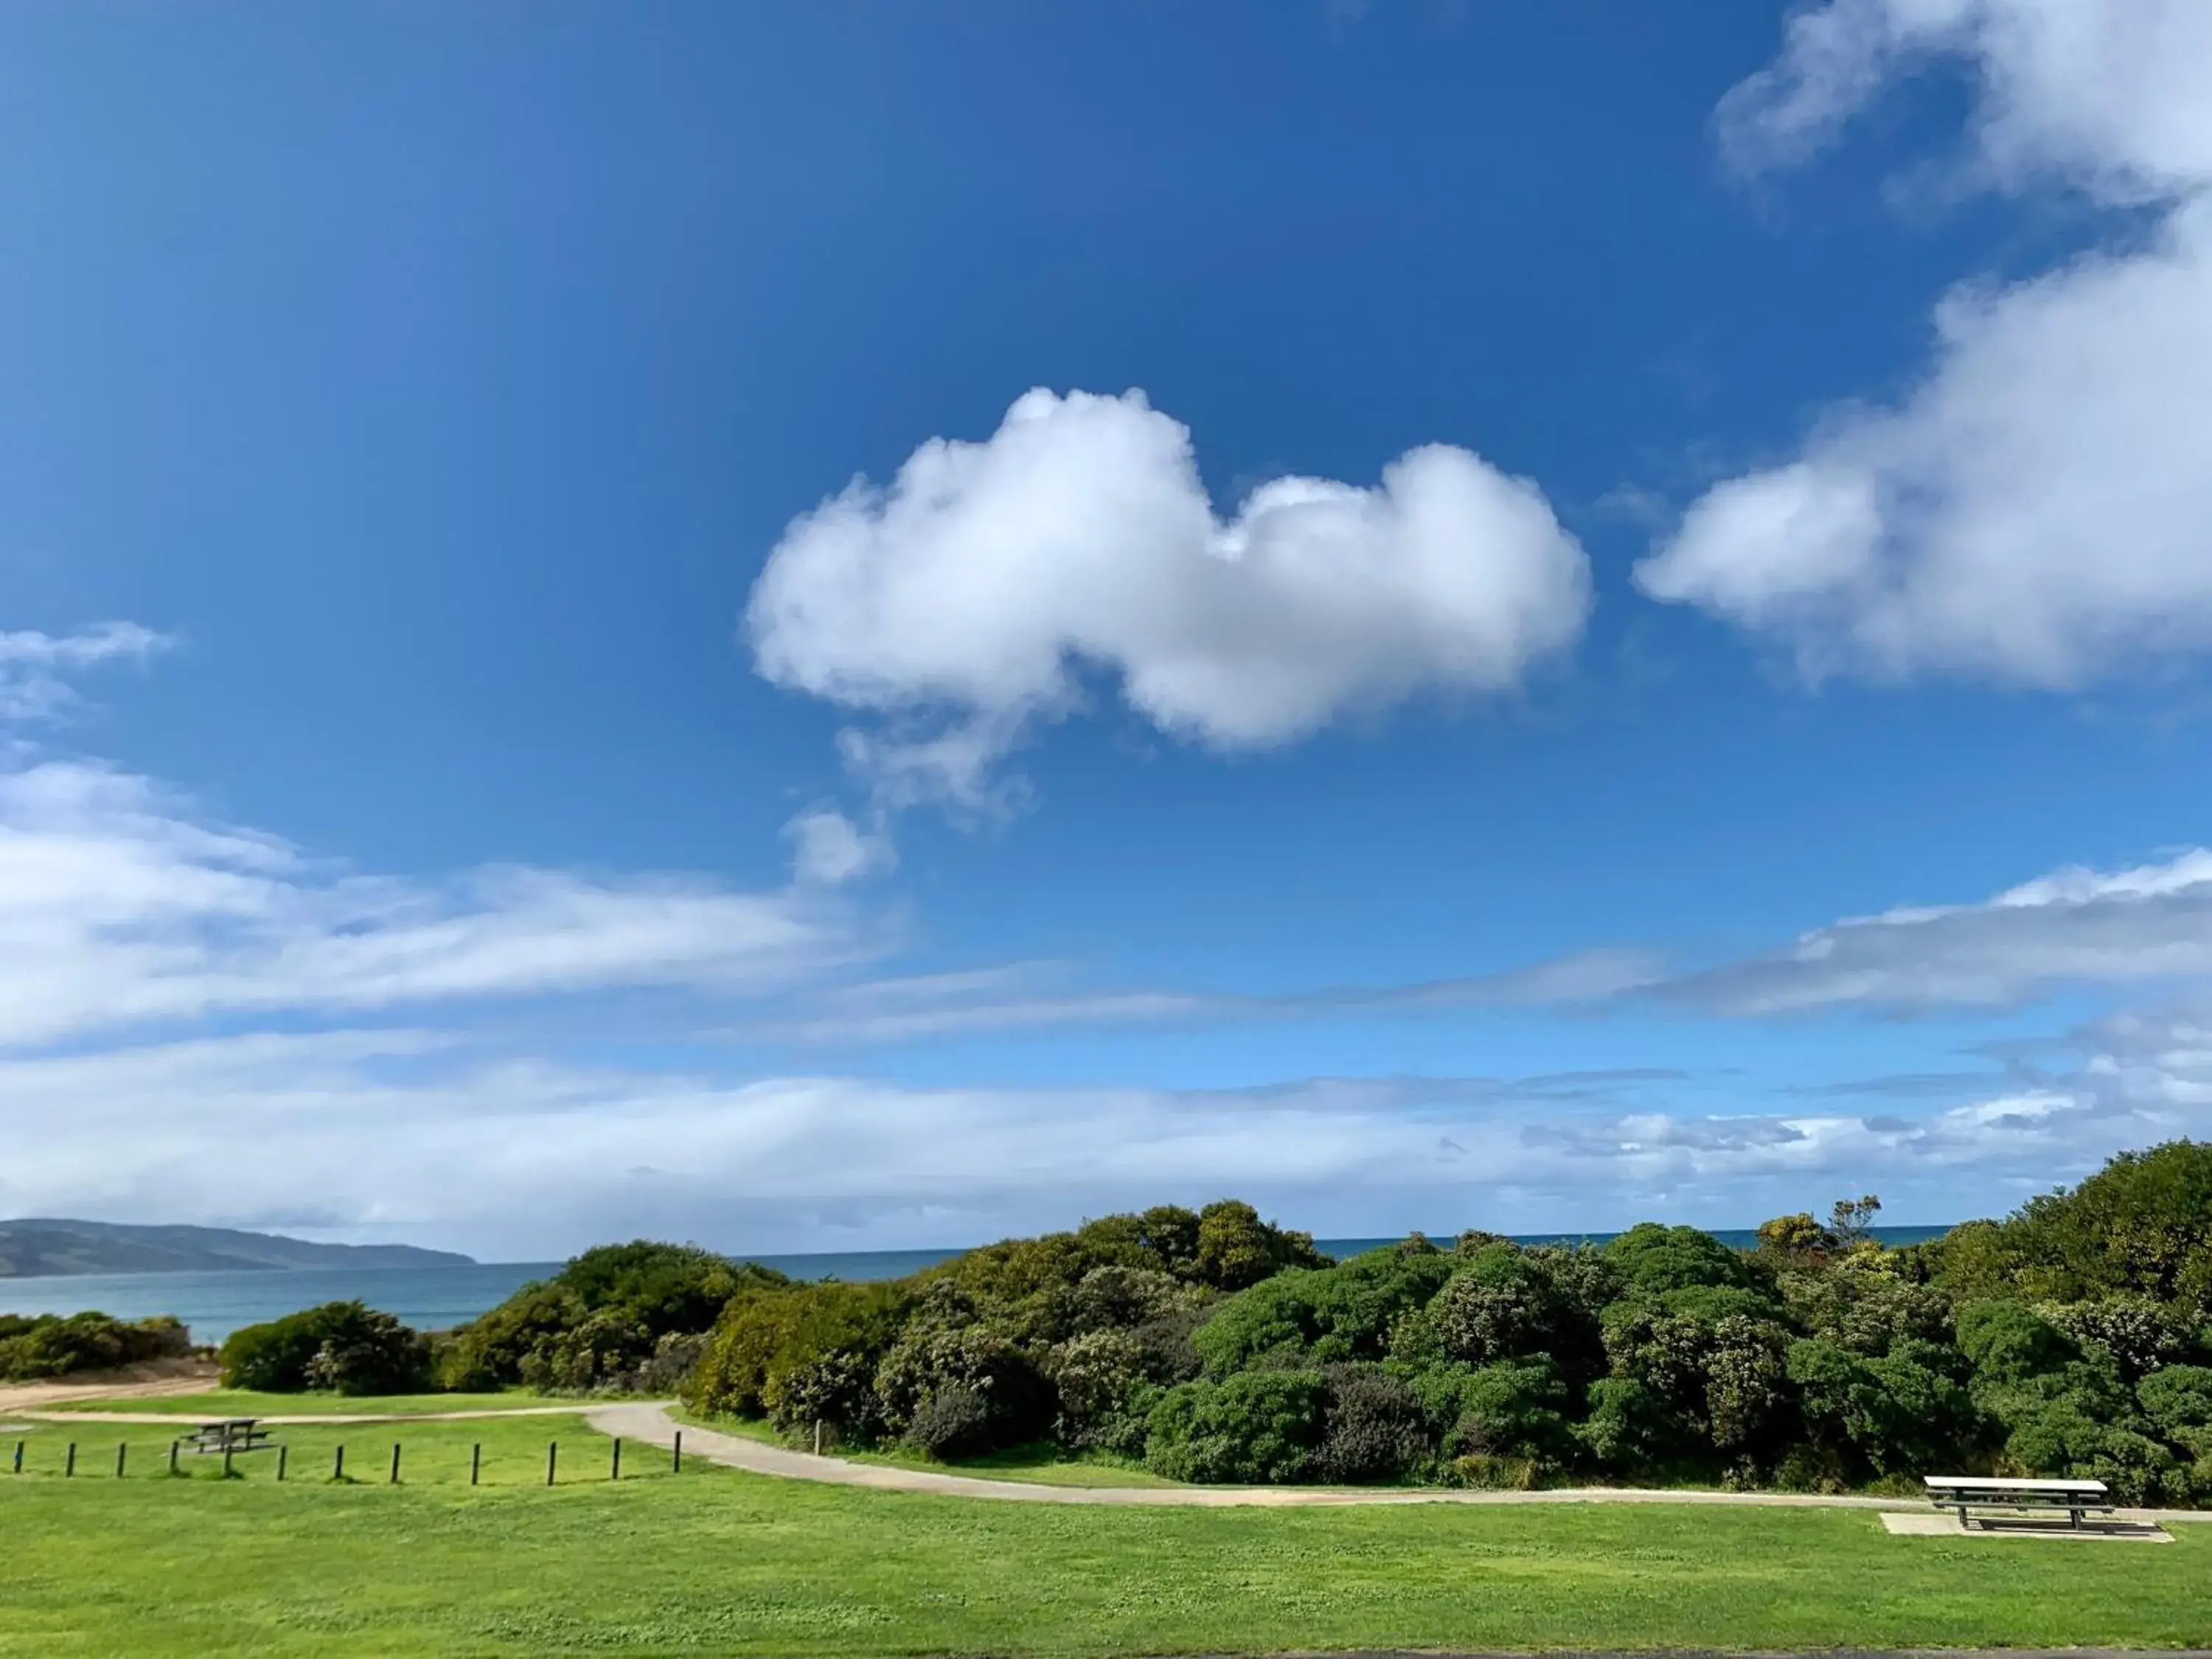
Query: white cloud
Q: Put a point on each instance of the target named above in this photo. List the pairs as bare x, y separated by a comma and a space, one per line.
533, 1159
829, 849
1027, 996
2037, 510
33, 664
979, 586
119, 905
2072, 927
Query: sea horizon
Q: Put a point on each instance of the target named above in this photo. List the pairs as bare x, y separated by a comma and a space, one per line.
214, 1304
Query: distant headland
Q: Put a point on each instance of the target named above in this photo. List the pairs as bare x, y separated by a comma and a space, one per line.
43, 1246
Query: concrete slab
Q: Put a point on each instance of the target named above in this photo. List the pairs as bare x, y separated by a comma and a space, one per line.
1947, 1526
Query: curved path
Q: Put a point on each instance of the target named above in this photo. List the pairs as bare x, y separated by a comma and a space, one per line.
651, 1424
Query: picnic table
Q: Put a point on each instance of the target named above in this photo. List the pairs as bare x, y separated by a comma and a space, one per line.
1963, 1492
231, 1434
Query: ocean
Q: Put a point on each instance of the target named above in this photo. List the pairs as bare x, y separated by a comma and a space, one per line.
213, 1304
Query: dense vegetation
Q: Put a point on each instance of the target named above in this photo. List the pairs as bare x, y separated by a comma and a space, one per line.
340, 1347
33, 1348
2073, 1338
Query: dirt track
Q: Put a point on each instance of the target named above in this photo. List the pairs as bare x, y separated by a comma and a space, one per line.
154, 1381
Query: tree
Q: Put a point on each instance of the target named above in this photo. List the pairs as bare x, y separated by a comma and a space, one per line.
1236, 1248
1851, 1220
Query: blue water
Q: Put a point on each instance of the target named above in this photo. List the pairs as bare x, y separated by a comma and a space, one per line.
431, 1298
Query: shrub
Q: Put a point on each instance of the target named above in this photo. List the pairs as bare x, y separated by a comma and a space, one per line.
1375, 1428
1102, 1382
1516, 1408
1497, 1307
2008, 1341
1887, 1415
2139, 1335
1237, 1249
598, 1321
365, 1352
1338, 1313
1009, 1404
801, 1355
53, 1345
2178, 1401
2143, 1224
1627, 1427
1256, 1425
1654, 1260
343, 1346
954, 1421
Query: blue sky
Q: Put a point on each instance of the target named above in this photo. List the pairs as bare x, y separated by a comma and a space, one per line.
472, 740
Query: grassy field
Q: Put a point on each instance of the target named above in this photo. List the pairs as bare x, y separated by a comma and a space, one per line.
715, 1561
241, 1402
1043, 1464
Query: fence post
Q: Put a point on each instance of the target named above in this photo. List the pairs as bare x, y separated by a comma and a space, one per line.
395, 1463
118, 1462
225, 1460
476, 1462
172, 1457
552, 1451
70, 1467
677, 1465
283, 1453
617, 1473
337, 1464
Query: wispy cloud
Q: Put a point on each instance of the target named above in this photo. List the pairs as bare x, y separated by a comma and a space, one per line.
404, 1132
1023, 996
34, 667
120, 905
2074, 926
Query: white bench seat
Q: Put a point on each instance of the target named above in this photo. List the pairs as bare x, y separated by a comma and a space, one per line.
1965, 1492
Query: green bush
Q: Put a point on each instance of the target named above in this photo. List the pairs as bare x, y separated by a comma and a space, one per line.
56, 1345
1104, 1383
1003, 1400
2178, 1401
2141, 1226
1253, 1426
344, 1347
1374, 1430
802, 1355
598, 1322
1654, 1260
2008, 1341
1333, 1314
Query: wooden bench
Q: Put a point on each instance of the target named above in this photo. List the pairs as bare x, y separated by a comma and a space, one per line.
1963, 1492
231, 1436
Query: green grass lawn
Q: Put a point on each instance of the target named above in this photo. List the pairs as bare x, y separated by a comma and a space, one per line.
1039, 1464
241, 1402
715, 1561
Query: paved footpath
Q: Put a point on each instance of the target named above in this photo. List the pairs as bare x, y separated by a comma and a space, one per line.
651, 1423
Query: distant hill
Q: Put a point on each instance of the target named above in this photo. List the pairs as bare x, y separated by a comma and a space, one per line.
38, 1245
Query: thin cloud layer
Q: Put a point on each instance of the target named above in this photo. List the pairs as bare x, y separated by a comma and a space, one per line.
33, 665
2037, 511
530, 1159
2074, 926
119, 906
980, 587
